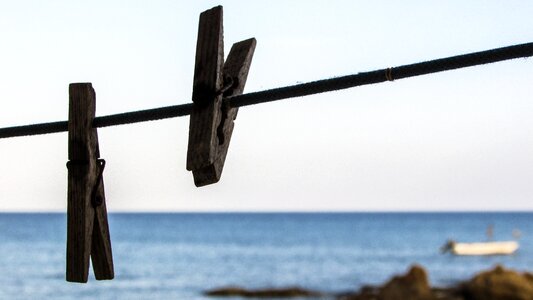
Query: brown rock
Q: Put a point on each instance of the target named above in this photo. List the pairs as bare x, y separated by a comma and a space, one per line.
365, 293
447, 293
262, 293
414, 286
499, 284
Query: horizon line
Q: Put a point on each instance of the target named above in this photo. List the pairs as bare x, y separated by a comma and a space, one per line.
284, 212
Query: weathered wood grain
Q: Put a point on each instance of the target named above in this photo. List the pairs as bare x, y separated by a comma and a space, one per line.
87, 227
209, 56
208, 81
101, 254
211, 122
236, 67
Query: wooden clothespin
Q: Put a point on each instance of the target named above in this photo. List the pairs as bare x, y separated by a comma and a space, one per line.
87, 226
211, 121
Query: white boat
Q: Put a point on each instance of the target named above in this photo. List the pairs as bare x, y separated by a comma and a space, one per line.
483, 248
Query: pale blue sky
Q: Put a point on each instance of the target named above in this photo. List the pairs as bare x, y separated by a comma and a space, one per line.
459, 140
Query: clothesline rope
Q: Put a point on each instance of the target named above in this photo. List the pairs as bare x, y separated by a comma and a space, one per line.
298, 90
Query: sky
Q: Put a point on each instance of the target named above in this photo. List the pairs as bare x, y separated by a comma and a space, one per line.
453, 141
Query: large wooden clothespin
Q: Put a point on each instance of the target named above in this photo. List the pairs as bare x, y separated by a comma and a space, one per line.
87, 228
212, 120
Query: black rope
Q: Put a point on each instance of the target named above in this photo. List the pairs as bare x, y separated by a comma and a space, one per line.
34, 129
142, 115
389, 74
299, 90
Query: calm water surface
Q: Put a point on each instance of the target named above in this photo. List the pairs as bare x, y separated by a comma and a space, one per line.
177, 256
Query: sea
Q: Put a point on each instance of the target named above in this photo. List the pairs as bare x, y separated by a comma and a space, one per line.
181, 255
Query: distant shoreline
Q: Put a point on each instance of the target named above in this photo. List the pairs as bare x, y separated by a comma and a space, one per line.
498, 283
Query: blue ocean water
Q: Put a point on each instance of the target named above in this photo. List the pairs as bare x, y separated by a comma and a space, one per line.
177, 256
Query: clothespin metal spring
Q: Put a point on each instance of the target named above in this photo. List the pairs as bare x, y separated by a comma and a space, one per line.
96, 200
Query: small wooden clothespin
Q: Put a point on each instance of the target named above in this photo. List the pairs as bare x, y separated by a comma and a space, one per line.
87, 226
211, 121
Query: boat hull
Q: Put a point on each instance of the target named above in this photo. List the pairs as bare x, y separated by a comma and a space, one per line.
488, 248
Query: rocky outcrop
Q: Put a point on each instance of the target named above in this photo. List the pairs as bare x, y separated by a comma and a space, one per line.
291, 292
499, 284
496, 284
414, 285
